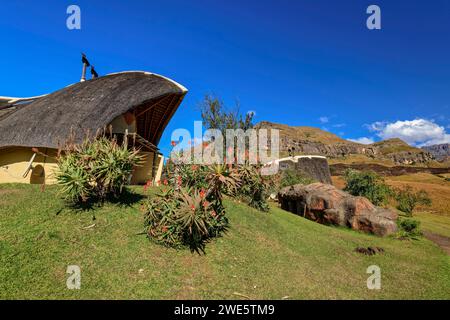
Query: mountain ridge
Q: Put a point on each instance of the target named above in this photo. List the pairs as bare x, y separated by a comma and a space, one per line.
315, 141
440, 151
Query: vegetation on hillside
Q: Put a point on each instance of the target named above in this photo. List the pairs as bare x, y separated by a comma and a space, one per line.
372, 186
367, 184
261, 256
395, 145
95, 169
408, 199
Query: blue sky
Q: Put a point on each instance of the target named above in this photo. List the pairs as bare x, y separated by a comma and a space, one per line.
296, 62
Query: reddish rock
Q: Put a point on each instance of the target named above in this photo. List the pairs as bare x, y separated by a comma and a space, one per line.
328, 205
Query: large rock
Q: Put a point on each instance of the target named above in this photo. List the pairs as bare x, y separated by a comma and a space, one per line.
326, 204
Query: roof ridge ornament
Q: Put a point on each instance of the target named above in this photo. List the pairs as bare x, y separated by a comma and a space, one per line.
86, 64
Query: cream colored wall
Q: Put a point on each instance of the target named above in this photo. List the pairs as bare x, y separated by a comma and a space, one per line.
119, 125
14, 162
143, 173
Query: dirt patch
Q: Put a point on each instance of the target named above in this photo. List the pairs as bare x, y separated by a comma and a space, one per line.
441, 241
369, 251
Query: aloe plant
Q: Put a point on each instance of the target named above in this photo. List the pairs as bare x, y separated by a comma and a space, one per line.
95, 169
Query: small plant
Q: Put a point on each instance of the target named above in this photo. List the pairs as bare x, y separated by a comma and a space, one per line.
95, 169
407, 199
409, 228
367, 184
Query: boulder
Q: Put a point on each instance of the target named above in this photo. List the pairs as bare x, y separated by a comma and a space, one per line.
326, 204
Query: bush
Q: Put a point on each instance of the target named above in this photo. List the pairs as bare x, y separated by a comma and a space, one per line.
183, 217
407, 199
293, 177
253, 188
95, 169
367, 184
187, 213
240, 181
190, 211
409, 228
286, 178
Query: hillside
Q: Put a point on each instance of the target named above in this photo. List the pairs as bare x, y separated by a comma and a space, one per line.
439, 151
309, 140
263, 256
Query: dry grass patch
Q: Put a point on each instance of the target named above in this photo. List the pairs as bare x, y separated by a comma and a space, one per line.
438, 189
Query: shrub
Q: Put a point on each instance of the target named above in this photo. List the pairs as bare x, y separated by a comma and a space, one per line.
187, 213
241, 181
286, 178
95, 169
407, 199
367, 184
253, 189
293, 177
183, 217
190, 210
409, 228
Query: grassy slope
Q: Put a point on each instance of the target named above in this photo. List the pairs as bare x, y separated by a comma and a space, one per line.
262, 256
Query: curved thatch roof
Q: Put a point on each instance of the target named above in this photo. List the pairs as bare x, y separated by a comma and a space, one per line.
89, 106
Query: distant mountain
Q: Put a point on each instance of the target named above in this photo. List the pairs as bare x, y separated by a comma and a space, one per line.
314, 141
440, 151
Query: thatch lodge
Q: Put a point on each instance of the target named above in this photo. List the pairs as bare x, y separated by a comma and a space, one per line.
136, 104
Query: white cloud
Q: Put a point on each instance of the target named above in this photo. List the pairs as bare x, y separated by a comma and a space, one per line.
324, 119
339, 125
419, 132
363, 140
376, 126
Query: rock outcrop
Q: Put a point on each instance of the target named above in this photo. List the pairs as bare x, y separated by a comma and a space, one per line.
314, 141
440, 151
326, 204
338, 169
410, 158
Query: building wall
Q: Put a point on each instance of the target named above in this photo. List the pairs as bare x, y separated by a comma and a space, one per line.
126, 121
143, 173
15, 161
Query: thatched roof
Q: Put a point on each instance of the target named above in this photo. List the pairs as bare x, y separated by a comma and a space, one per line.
92, 105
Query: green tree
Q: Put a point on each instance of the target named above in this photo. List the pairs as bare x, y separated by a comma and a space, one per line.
216, 115
407, 199
367, 184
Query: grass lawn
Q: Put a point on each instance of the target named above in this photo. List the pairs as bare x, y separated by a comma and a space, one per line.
263, 256
434, 223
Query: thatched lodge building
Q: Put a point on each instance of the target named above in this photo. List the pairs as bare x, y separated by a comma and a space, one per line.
136, 104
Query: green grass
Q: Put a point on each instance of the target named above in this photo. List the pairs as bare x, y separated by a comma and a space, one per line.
262, 256
433, 223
